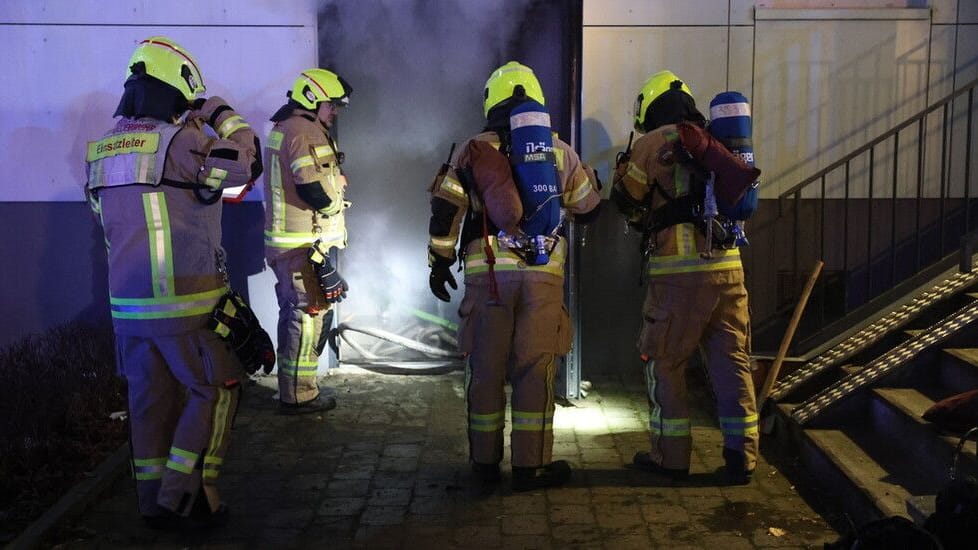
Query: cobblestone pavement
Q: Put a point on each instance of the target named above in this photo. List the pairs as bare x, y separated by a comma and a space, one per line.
388, 469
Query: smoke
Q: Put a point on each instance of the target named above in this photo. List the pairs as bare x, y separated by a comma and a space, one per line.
418, 69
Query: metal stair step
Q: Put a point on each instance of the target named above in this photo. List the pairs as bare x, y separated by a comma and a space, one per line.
902, 419
850, 369
909, 401
859, 479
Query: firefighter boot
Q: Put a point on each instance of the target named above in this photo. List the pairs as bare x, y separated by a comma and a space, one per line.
485, 478
203, 516
321, 403
165, 520
735, 472
550, 475
486, 474
643, 461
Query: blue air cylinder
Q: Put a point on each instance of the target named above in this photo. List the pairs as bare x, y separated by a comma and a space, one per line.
535, 173
730, 123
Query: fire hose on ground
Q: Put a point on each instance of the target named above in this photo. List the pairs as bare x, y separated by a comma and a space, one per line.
436, 358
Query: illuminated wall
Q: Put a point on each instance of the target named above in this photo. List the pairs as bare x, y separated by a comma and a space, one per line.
64, 63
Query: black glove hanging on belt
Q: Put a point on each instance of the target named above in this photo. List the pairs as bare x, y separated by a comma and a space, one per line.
441, 273
334, 287
237, 324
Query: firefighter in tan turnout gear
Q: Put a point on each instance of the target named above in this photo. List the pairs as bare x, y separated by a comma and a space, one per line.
693, 299
304, 209
154, 181
514, 324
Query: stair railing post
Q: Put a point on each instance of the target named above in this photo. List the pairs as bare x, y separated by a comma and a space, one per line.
967, 251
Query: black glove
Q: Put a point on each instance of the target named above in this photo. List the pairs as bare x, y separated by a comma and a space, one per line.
333, 286
236, 323
198, 103
441, 273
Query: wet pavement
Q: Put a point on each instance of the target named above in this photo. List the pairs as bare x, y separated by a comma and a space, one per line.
388, 469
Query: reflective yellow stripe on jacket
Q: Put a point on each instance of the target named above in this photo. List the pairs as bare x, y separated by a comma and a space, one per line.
507, 260
165, 303
333, 231
722, 260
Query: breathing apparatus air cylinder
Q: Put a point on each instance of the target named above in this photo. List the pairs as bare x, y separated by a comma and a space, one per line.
535, 172
730, 123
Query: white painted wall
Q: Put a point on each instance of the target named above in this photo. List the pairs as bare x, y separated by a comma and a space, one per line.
64, 63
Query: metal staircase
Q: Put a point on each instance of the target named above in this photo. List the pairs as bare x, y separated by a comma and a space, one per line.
906, 336
855, 415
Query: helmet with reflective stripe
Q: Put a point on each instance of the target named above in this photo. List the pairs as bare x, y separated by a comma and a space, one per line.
167, 61
503, 81
654, 87
317, 85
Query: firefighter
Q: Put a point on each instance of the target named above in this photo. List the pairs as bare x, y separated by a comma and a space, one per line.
693, 299
304, 220
154, 180
514, 325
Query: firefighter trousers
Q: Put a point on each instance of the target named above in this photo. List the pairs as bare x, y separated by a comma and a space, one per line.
519, 339
304, 321
677, 320
183, 394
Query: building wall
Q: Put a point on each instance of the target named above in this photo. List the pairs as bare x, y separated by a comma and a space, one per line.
823, 78
64, 64
820, 81
417, 68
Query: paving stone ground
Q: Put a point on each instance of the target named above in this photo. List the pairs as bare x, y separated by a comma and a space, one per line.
388, 469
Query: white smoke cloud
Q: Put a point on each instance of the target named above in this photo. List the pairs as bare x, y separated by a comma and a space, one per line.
418, 70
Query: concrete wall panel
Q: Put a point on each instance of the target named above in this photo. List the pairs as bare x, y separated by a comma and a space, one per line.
74, 76
609, 89
632, 12
823, 88
148, 13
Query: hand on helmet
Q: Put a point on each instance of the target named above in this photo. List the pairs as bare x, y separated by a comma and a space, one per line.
441, 273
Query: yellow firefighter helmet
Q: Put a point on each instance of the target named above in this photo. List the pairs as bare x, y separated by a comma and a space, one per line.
169, 62
655, 86
314, 86
503, 82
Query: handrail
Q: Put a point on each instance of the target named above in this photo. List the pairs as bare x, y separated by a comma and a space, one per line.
879, 139
895, 208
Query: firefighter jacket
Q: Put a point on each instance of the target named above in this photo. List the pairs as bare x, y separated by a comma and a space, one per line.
457, 215
677, 247
302, 165
165, 259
